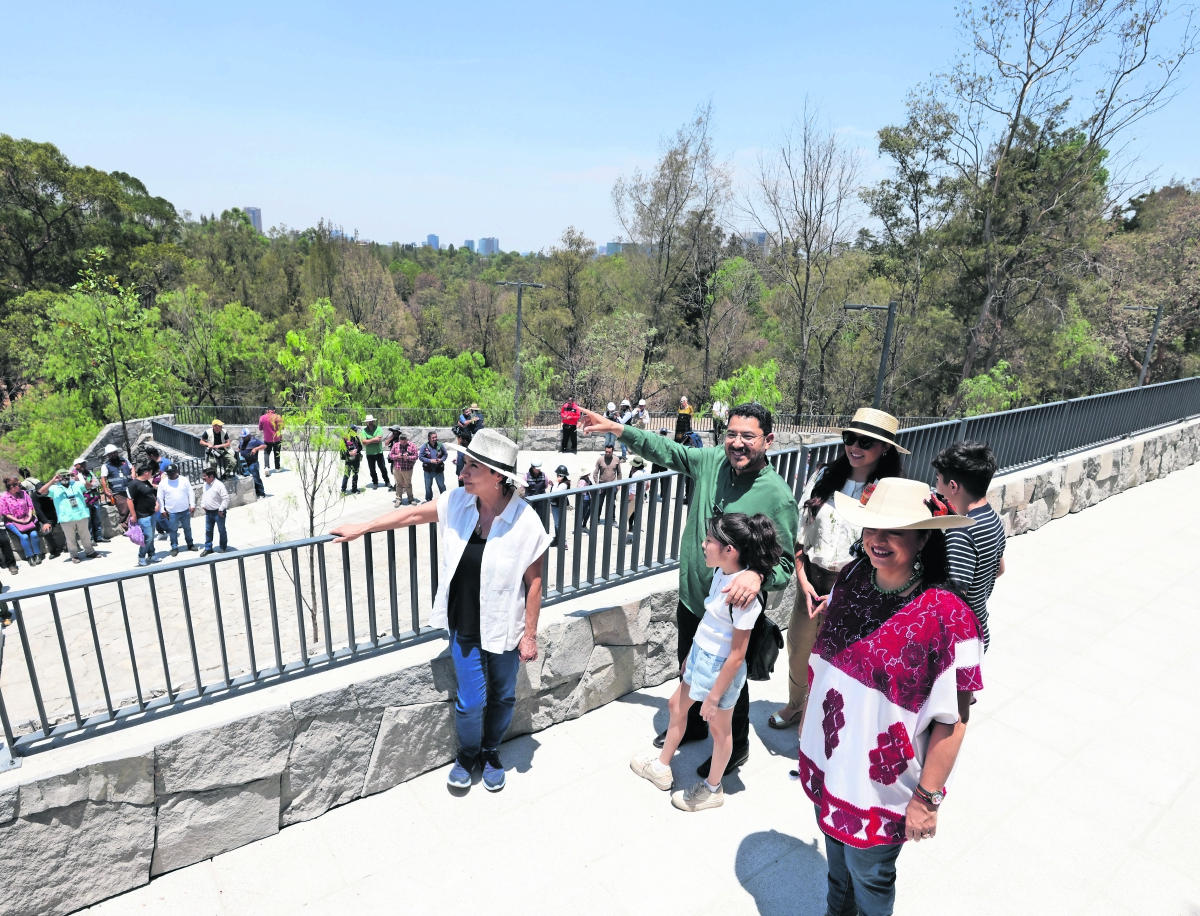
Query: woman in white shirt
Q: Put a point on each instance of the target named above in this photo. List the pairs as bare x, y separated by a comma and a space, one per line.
491, 544
715, 669
869, 453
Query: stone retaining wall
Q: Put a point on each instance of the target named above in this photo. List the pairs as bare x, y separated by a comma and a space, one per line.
74, 834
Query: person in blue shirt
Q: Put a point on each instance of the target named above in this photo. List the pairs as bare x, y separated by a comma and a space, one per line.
249, 449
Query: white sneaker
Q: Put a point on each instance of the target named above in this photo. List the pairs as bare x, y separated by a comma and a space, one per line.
698, 797
643, 765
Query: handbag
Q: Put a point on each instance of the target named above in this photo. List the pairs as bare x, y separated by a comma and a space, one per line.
763, 649
135, 534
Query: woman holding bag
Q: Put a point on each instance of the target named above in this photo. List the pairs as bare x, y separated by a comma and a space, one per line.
869, 453
489, 593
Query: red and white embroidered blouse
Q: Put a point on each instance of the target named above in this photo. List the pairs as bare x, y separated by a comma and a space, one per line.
883, 670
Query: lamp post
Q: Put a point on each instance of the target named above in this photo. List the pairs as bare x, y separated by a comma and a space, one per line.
887, 342
520, 285
1153, 335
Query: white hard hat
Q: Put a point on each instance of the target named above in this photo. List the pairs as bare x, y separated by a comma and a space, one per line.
612, 406
642, 402
625, 402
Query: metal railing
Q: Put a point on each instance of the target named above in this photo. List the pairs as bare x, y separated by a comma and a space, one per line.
178, 440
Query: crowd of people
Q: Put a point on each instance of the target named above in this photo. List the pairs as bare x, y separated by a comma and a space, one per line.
886, 638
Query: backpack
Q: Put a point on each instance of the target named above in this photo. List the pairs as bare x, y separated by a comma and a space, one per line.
693, 440
766, 640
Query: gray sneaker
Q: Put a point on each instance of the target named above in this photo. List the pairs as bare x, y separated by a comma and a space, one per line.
698, 797
643, 765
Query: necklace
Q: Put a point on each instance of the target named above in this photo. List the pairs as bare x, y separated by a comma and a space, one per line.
894, 591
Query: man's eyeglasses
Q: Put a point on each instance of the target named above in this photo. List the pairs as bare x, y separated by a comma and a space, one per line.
863, 442
748, 438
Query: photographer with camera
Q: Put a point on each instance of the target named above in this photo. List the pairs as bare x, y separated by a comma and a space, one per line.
70, 505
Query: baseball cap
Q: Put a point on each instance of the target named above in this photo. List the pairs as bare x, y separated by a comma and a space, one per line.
535, 464
110, 449
172, 468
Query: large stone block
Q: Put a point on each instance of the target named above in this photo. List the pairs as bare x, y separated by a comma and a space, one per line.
8, 805
661, 662
663, 605
193, 826
621, 626
129, 780
567, 646
430, 682
541, 710
412, 739
612, 672
329, 756
63, 859
229, 755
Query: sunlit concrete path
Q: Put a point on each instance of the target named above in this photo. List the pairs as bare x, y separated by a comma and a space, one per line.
1078, 790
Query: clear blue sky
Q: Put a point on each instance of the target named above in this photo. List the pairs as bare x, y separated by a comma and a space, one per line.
465, 119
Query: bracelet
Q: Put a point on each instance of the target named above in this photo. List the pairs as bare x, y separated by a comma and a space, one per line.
925, 796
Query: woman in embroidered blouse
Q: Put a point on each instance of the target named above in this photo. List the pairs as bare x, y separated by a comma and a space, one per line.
491, 544
892, 673
18, 515
869, 453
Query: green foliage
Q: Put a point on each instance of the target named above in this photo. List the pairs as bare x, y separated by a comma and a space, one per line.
50, 429
753, 383
993, 391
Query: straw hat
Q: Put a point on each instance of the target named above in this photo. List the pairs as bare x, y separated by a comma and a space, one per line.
493, 450
368, 419
878, 425
895, 503
218, 422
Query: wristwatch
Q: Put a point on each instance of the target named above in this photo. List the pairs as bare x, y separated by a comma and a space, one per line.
932, 798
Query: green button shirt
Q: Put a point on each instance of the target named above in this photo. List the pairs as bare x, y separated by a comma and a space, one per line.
373, 448
718, 486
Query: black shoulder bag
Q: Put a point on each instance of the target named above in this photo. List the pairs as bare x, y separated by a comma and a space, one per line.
765, 642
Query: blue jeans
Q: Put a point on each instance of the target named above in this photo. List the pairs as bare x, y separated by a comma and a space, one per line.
30, 543
177, 520
430, 478
487, 693
213, 517
861, 881
610, 439
95, 523
259, 489
146, 523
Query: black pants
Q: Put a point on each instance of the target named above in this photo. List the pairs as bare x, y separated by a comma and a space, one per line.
6, 550
373, 460
273, 448
570, 438
697, 728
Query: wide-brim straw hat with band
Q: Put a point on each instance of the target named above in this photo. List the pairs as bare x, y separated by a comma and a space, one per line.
877, 425
492, 450
895, 503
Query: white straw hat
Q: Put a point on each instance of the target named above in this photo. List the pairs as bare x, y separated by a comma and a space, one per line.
493, 450
877, 425
895, 503
368, 419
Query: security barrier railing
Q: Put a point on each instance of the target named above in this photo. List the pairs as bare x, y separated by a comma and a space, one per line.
178, 440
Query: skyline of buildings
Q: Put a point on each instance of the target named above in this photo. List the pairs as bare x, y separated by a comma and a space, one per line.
255, 215
489, 246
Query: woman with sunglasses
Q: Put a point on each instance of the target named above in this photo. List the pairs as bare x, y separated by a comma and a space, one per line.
869, 453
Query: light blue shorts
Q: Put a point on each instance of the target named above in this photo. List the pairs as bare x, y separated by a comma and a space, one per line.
701, 674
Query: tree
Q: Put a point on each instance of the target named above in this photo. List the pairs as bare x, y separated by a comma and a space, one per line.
49, 430
1045, 75
661, 214
102, 342
723, 297
755, 384
802, 200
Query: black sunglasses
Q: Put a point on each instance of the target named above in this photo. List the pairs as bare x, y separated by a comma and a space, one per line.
864, 442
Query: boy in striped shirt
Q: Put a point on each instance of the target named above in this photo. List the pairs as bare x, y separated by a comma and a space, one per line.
976, 554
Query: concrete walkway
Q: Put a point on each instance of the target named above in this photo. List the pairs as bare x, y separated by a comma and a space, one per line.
1078, 790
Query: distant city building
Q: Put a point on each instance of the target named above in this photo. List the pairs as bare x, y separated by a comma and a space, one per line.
432, 241
489, 246
469, 244
255, 215
612, 248
757, 238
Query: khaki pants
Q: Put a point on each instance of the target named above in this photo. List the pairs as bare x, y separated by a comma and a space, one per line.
403, 483
802, 634
76, 533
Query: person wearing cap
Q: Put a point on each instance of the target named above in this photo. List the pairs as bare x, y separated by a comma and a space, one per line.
489, 594
115, 475
463, 437
562, 481
403, 456
270, 426
249, 449
611, 413
92, 487
570, 427
894, 669
535, 481
215, 503
70, 505
476, 420
352, 451
218, 448
737, 478
373, 449
641, 415
683, 420
869, 453
433, 462
178, 504
637, 468
625, 418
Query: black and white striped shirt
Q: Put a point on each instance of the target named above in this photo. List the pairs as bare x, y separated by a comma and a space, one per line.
974, 554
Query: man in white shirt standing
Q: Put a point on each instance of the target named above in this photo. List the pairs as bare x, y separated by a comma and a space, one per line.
215, 503
176, 502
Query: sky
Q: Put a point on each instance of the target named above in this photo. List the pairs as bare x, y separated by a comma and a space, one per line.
467, 120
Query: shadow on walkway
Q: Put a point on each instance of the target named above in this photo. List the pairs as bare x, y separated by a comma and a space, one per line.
783, 874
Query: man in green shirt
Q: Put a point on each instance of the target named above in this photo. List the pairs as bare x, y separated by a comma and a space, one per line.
373, 449
737, 478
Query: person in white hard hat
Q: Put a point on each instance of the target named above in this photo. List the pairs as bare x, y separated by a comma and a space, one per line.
610, 413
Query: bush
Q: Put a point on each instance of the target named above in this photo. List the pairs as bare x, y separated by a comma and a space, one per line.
50, 429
